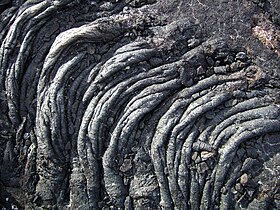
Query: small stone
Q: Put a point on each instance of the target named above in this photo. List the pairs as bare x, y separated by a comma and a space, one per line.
206, 154
14, 207
202, 167
221, 54
110, 121
194, 156
193, 43
210, 115
200, 71
229, 59
244, 179
224, 190
217, 63
209, 72
241, 56
127, 68
220, 70
91, 49
238, 187
126, 9
236, 66
210, 61
250, 192
26, 136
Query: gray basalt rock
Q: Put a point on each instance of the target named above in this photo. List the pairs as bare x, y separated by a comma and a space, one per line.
139, 104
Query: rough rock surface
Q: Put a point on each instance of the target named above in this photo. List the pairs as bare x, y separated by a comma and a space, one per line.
139, 104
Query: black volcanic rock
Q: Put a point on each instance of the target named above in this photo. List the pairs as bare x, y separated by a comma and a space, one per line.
139, 104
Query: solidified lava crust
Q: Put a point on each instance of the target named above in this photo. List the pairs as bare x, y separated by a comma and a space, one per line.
139, 104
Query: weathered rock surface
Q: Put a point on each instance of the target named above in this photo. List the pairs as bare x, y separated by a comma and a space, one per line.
139, 104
